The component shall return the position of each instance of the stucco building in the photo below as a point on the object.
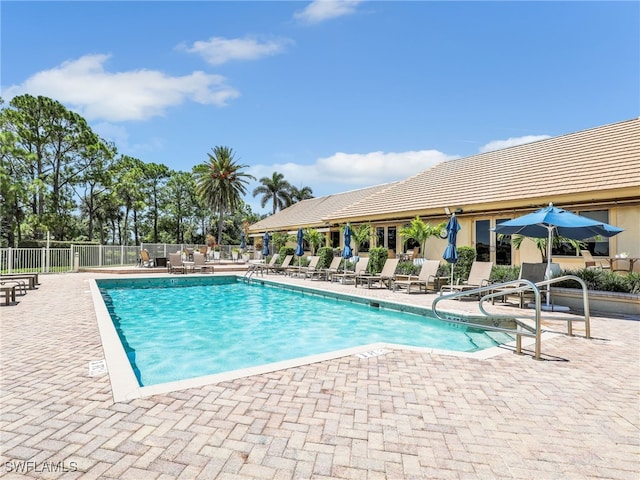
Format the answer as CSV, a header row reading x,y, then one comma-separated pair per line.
x,y
594,172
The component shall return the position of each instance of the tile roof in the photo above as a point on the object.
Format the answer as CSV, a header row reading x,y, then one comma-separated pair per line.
x,y
577,167
574,165
311,213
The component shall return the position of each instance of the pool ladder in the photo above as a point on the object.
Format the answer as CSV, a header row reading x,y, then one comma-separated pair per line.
x,y
523,328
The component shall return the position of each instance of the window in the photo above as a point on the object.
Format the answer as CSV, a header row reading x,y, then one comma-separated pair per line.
x,y
379,236
597,246
503,246
335,239
391,238
483,246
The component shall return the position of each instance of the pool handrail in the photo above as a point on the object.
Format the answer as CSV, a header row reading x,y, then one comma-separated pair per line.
x,y
490,291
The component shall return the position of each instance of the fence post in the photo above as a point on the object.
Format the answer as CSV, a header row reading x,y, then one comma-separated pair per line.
x,y
71,257
10,260
43,260
121,254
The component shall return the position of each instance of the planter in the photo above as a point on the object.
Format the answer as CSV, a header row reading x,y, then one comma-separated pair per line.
x,y
599,302
246,257
234,256
216,255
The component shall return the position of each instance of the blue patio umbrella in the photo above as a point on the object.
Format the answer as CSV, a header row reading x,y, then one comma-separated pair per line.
x,y
243,242
347,252
299,248
550,221
265,244
451,252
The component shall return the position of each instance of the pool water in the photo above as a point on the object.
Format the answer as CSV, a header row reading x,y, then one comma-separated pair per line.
x,y
178,331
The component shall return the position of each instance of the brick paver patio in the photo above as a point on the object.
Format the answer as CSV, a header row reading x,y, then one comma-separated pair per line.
x,y
401,415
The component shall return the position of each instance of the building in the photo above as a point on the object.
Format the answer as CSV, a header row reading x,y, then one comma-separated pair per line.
x,y
594,172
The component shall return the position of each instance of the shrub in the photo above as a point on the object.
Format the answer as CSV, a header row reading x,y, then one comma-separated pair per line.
x,y
407,268
504,273
603,280
284,251
326,255
377,257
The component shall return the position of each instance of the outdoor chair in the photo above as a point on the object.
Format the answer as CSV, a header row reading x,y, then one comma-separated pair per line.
x,y
32,278
303,271
590,262
282,268
175,263
478,277
145,259
343,275
200,263
326,273
263,267
426,276
384,278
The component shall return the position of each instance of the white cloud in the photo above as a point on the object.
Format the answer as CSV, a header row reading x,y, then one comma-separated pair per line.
x,y
95,93
343,171
511,142
217,50
321,10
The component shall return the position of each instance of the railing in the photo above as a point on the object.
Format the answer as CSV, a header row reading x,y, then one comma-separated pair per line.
x,y
58,260
522,328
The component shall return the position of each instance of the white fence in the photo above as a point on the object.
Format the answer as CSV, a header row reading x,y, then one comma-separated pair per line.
x,y
57,260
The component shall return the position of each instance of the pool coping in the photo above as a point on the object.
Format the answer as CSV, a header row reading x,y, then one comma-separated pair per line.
x,y
125,386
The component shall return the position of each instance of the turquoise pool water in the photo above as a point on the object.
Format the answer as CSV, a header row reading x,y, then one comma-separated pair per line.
x,y
175,329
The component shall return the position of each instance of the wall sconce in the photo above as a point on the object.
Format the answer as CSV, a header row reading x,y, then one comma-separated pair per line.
x,y
447,211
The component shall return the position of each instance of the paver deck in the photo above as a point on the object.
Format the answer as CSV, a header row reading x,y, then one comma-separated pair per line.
x,y
402,415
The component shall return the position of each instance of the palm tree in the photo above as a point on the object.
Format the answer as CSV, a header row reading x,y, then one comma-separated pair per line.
x,y
541,243
314,238
298,194
360,235
420,231
275,189
221,182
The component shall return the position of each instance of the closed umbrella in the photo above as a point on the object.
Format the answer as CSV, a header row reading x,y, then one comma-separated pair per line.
x,y
299,248
550,221
347,252
451,252
243,242
265,244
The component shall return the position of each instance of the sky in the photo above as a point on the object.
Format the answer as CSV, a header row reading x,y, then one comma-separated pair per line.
x,y
335,95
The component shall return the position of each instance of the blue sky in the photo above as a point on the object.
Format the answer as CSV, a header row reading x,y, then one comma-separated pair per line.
x,y
334,95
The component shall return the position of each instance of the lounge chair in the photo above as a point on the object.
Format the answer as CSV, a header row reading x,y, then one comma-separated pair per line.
x,y
426,277
478,277
326,273
282,268
590,262
264,267
145,259
385,277
200,263
31,278
534,272
302,271
175,263
360,269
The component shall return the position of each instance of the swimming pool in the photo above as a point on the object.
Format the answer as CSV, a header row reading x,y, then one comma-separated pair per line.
x,y
178,328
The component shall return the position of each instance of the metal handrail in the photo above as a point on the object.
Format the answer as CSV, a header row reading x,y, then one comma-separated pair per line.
x,y
516,286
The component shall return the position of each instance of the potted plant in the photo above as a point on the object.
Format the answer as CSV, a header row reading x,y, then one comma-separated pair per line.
x,y
216,252
235,253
